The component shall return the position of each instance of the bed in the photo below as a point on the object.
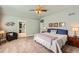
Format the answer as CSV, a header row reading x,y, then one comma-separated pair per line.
x,y
54,39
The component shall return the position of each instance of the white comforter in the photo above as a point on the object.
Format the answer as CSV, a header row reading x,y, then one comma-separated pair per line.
x,y
53,42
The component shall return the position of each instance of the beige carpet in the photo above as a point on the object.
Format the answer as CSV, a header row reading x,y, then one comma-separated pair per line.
x,y
23,45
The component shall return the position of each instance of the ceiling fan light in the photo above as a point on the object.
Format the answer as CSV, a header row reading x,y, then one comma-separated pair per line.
x,y
38,12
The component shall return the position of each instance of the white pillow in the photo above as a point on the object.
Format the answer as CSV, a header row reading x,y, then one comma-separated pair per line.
x,y
11,34
53,31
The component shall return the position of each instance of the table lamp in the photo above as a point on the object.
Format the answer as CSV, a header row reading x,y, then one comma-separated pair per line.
x,y
75,29
1,32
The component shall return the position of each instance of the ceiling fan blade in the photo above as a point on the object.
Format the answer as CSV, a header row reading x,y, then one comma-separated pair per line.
x,y
32,10
44,10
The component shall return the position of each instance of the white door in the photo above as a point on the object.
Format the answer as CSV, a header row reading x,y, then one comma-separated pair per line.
x,y
22,29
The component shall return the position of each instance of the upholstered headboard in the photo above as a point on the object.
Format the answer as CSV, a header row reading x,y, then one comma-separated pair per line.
x,y
59,31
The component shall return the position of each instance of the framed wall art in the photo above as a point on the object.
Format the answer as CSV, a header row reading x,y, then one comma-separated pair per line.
x,y
50,24
58,24
10,23
55,24
61,24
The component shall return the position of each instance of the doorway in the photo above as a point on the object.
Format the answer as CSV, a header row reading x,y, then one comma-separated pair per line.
x,y
22,29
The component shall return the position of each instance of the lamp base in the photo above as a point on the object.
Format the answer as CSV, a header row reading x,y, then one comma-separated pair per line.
x,y
75,36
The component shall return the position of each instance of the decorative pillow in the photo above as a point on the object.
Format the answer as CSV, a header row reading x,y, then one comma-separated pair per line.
x,y
11,34
61,31
51,30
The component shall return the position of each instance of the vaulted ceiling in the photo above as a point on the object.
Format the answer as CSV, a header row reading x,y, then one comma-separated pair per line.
x,y
24,10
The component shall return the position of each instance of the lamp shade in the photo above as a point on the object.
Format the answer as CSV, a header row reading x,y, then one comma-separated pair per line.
x,y
1,32
38,12
75,29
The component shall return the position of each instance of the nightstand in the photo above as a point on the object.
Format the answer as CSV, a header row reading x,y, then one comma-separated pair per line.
x,y
73,41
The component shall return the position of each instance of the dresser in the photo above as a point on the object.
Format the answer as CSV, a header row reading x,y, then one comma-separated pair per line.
x,y
73,41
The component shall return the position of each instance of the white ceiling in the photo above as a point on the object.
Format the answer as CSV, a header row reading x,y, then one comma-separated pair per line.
x,y
24,10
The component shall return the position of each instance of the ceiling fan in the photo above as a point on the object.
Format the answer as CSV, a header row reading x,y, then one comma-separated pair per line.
x,y
39,9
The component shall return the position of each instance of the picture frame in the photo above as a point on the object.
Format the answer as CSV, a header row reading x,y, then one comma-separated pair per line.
x,y
61,24
10,23
50,24
55,24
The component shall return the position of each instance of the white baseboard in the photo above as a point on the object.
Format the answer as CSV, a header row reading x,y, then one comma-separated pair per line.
x,y
31,35
26,35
